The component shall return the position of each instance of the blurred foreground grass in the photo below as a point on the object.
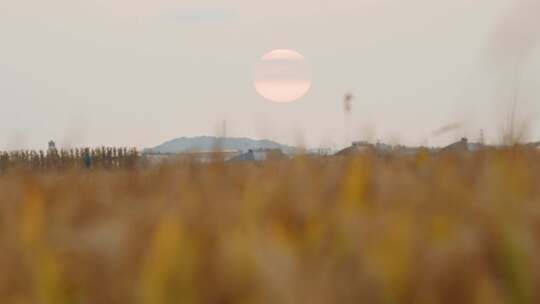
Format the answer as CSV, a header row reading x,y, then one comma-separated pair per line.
x,y
422,229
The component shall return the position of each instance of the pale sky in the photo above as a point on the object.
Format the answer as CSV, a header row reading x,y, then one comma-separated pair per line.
x,y
137,73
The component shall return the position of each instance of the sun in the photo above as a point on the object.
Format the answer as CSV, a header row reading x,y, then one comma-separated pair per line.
x,y
282,76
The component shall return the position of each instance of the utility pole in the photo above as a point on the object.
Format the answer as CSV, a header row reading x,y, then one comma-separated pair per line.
x,y
347,107
224,128
481,140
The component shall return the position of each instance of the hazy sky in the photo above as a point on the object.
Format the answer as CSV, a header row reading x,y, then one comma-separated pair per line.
x,y
137,73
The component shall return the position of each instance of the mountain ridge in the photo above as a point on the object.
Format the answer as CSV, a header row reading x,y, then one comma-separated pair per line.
x,y
213,143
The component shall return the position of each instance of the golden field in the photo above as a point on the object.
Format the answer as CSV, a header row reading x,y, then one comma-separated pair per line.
x,y
362,229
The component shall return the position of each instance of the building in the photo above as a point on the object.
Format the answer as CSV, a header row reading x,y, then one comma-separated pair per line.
x,y
197,157
260,155
320,151
382,149
356,148
460,146
533,145
464,146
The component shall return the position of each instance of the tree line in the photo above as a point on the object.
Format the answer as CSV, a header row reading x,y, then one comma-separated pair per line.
x,y
103,157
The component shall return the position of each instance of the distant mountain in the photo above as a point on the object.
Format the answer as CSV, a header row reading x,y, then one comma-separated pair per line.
x,y
211,143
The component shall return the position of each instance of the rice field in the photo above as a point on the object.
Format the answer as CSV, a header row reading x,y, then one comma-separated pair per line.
x,y
357,229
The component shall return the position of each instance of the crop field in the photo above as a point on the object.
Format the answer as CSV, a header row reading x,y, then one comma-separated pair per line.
x,y
358,229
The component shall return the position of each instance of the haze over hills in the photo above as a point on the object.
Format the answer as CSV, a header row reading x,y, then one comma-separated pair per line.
x,y
212,143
